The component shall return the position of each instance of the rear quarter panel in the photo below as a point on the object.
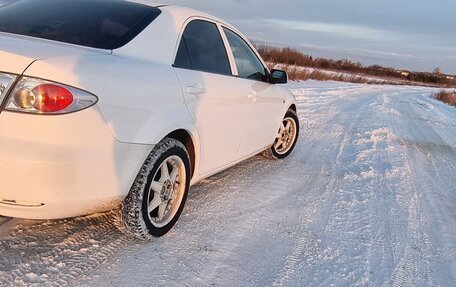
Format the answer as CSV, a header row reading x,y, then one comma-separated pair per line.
x,y
140,100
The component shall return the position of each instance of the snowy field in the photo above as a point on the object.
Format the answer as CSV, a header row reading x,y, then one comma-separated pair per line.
x,y
368,198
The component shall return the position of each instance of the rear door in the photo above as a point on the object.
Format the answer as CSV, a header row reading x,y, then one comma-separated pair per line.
x,y
215,98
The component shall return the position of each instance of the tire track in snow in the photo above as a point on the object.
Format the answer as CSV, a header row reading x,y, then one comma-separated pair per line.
x,y
425,152
361,162
411,265
444,220
54,253
302,238
341,139
307,248
220,261
354,223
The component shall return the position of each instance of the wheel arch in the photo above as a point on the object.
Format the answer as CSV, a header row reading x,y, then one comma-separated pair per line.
x,y
293,108
186,138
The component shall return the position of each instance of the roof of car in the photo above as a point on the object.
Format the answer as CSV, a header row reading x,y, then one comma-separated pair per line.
x,y
180,11
146,2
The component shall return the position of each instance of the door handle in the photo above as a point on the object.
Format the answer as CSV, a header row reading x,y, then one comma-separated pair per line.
x,y
196,90
252,96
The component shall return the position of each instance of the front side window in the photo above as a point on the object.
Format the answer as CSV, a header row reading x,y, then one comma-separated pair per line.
x,y
247,63
103,24
201,48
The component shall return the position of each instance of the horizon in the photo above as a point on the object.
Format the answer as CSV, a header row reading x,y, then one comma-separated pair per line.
x,y
405,35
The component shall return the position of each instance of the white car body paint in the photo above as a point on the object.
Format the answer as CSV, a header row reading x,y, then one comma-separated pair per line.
x,y
63,166
85,162
226,105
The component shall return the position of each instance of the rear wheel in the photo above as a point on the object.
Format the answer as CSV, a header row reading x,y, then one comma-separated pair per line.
x,y
286,137
159,192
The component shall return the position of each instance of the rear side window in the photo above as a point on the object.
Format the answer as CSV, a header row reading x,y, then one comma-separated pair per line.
x,y
201,48
103,24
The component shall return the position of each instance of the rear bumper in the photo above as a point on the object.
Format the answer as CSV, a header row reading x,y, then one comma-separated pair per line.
x,y
63,166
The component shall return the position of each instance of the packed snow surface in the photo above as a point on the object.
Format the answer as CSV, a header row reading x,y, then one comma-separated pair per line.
x,y
368,198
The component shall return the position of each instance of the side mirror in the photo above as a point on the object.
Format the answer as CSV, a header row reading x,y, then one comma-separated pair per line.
x,y
278,77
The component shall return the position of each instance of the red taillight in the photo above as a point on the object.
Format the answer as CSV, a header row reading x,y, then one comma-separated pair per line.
x,y
51,98
37,96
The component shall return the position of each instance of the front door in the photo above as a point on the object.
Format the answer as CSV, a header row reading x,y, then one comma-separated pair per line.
x,y
264,100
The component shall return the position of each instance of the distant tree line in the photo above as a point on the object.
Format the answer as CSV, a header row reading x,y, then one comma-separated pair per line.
x,y
293,57
446,96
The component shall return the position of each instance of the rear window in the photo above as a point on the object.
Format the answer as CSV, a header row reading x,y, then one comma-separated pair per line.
x,y
103,24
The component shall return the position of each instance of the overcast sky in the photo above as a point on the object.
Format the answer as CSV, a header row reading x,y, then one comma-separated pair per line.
x,y
409,34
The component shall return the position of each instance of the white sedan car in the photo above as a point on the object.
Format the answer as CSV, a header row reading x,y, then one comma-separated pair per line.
x,y
109,102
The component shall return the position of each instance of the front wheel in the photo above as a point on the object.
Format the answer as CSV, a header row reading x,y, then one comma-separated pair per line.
x,y
286,137
159,192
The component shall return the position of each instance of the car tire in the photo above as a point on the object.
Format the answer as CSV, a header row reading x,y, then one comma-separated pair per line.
x,y
159,191
286,138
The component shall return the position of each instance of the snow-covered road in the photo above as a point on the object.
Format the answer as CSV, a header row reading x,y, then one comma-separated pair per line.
x,y
368,198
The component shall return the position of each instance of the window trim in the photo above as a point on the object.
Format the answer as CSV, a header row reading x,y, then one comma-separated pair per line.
x,y
229,51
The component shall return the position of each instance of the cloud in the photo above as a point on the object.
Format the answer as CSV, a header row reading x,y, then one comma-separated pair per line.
x,y
341,30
